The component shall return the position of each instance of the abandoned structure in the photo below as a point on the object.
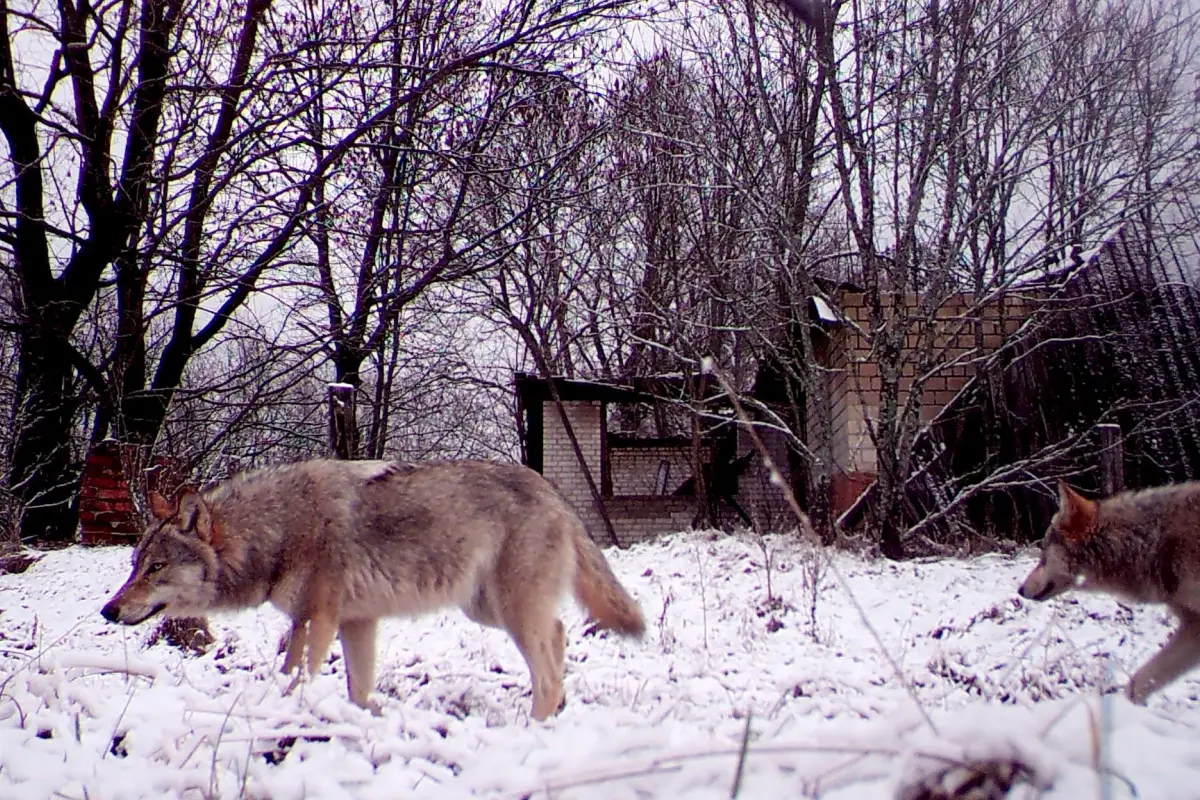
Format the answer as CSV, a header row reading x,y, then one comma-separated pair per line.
x,y
644,483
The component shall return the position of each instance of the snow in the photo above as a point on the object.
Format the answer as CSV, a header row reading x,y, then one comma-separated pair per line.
x,y
824,312
87,710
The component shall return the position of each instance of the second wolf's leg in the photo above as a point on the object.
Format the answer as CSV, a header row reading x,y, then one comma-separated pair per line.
x,y
1177,656
358,649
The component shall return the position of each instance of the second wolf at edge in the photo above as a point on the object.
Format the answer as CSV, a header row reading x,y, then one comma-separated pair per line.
x,y
1143,546
337,545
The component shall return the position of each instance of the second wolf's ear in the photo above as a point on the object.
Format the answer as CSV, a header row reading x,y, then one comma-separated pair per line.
x,y
1076,514
194,516
160,506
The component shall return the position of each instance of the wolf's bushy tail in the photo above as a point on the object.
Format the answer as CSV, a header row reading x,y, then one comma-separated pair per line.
x,y
598,590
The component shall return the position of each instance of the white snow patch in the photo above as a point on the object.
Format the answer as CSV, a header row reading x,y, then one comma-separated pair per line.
x,y
824,312
87,710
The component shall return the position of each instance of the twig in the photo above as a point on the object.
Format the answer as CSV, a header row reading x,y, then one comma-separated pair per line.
x,y
116,725
673,763
745,752
1105,736
703,597
213,781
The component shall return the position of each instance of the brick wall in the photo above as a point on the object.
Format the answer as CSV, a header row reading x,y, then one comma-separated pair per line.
x,y
761,500
634,518
637,471
561,467
107,511
638,519
559,463
854,380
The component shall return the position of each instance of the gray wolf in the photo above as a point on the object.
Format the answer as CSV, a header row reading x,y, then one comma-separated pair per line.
x,y
336,545
1142,546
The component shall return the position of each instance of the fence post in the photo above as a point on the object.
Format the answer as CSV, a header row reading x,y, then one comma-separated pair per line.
x,y
343,427
1112,459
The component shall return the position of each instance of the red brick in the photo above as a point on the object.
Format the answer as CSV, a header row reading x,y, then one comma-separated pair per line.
x,y
104,494
844,489
103,538
112,506
101,517
122,529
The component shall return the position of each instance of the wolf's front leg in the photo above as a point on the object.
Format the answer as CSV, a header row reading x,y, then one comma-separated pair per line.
x,y
313,633
1177,656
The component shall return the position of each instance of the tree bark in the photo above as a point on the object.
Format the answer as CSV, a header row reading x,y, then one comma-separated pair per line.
x,y
43,474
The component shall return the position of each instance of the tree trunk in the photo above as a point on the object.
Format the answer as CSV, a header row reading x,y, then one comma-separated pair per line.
x,y
43,476
343,422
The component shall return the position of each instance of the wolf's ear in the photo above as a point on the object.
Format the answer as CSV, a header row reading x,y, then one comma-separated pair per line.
x,y
160,506
1076,514
194,514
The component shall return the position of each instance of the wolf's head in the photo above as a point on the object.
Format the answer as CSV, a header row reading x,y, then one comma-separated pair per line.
x,y
174,564
1060,566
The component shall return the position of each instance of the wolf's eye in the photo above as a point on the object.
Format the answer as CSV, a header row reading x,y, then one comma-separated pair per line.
x,y
155,567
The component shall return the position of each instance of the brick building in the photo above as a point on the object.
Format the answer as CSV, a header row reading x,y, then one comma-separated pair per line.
x,y
643,481
646,482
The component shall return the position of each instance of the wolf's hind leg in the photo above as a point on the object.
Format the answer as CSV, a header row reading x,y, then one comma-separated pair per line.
x,y
1177,656
321,630
358,649
324,602
539,637
560,655
297,638
560,644
295,646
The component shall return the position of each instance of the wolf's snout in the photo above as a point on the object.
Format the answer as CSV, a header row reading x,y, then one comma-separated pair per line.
x,y
1026,592
1039,586
110,611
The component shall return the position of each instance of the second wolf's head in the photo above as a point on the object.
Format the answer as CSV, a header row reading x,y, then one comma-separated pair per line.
x,y
174,564
1062,566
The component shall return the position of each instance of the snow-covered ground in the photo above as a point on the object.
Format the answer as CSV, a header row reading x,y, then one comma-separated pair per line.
x,y
86,710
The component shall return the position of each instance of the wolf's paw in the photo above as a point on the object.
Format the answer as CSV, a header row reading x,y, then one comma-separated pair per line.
x,y
1133,695
291,687
370,705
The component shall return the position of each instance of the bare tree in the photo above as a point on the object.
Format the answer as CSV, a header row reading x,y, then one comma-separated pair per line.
x,y
212,146
429,174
